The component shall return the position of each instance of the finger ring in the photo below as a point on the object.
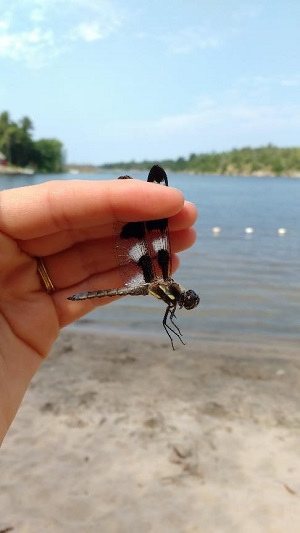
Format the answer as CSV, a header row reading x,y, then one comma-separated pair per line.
x,y
45,276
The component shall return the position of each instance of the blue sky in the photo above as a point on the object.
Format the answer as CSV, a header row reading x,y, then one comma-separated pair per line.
x,y
135,79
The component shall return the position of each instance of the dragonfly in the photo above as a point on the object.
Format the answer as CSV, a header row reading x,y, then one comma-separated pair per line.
x,y
143,251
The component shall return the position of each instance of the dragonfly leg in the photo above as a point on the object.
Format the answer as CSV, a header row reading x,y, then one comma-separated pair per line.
x,y
168,328
172,315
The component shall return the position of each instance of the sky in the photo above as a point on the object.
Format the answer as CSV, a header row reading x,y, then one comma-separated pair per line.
x,y
121,80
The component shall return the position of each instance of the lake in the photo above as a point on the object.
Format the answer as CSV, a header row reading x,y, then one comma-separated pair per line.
x,y
249,283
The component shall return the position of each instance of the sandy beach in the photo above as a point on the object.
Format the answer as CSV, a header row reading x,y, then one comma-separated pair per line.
x,y
120,435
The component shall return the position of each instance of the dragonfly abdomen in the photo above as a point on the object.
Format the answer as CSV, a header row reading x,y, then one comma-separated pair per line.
x,y
141,290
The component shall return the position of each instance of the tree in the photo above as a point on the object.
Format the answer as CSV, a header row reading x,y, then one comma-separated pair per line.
x,y
4,121
26,125
17,144
49,155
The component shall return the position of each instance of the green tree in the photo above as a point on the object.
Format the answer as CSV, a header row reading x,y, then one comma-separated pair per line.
x,y
21,150
26,125
19,146
4,122
49,155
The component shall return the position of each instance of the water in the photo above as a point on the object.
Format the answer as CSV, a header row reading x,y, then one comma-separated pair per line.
x,y
249,284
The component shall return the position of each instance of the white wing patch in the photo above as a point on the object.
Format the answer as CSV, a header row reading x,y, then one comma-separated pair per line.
x,y
137,251
160,244
136,280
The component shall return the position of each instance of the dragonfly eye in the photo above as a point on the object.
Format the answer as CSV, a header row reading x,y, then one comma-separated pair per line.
x,y
191,299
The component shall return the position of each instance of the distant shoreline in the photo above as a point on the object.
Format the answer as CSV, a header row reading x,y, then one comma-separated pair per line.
x,y
93,169
13,171
263,161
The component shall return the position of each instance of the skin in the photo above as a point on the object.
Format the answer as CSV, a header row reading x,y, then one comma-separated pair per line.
x,y
70,225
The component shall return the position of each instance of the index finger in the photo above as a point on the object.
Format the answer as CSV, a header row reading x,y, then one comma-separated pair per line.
x,y
38,210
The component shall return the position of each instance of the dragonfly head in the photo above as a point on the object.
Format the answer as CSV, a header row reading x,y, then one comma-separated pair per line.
x,y
189,299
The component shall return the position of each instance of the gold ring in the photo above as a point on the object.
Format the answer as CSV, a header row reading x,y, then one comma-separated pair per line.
x,y
45,276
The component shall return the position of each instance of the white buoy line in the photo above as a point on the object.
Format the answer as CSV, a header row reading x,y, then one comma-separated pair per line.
x,y
216,230
281,231
249,230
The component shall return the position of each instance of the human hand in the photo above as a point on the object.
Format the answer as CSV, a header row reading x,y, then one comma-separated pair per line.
x,y
69,224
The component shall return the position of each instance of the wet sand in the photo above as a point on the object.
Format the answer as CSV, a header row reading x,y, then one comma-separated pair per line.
x,y
126,436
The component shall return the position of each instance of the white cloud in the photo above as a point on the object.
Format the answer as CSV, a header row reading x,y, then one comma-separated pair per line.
x,y
30,46
245,13
94,30
293,81
268,82
224,125
37,15
190,39
34,31
88,31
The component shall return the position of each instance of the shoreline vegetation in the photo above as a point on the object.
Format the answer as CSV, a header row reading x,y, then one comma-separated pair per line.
x,y
265,161
21,154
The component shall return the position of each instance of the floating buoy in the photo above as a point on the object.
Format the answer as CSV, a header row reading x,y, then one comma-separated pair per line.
x,y
281,231
249,230
216,230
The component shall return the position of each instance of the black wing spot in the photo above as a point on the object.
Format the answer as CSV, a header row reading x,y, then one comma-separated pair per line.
x,y
160,224
133,230
145,264
163,259
158,175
